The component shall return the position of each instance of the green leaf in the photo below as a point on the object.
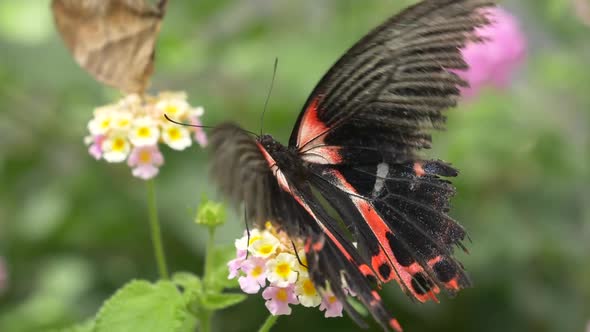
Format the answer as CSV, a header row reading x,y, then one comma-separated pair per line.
x,y
216,280
188,281
87,326
143,306
221,301
192,289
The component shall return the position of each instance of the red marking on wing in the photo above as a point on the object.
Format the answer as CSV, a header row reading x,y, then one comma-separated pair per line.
x,y
418,169
376,295
452,284
325,155
281,179
380,229
310,126
366,270
395,325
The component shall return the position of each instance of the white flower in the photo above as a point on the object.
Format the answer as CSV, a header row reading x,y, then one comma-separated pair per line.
x,y
173,105
241,244
307,293
101,123
144,132
130,102
176,137
121,121
281,271
265,246
115,148
197,111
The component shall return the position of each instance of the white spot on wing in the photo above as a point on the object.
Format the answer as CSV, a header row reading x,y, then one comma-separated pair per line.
x,y
382,172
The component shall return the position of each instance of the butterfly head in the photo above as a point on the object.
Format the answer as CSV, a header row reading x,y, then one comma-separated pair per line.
x,y
284,157
272,146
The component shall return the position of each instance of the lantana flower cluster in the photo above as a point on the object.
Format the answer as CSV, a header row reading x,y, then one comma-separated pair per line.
x,y
266,260
132,129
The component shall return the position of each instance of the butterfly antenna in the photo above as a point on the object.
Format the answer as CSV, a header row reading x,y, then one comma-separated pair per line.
x,y
297,255
201,126
274,73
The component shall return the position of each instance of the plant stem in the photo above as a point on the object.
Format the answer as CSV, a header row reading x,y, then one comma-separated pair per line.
x,y
205,321
268,323
209,252
155,229
205,316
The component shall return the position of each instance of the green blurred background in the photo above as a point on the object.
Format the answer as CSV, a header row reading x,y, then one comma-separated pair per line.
x,y
73,230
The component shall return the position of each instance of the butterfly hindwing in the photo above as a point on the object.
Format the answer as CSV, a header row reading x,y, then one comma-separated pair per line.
x,y
399,218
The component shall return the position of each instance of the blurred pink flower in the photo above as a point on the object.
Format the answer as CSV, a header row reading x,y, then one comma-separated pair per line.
x,y
279,298
95,148
255,277
3,275
235,265
199,133
493,60
332,306
145,161
582,10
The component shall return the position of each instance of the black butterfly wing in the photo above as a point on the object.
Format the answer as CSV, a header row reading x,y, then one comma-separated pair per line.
x,y
361,130
382,97
244,175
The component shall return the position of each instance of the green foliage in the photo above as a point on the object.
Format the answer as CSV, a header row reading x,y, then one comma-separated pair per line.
x,y
143,306
221,301
216,278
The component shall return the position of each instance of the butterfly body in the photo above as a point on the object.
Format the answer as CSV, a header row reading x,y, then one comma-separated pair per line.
x,y
351,182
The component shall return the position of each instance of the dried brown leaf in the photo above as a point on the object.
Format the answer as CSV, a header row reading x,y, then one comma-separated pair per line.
x,y
114,40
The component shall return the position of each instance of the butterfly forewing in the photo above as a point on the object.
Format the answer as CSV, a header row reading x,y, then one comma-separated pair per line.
x,y
391,87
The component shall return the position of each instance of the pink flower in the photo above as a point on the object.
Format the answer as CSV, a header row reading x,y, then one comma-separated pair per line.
x,y
199,135
145,161
494,60
582,9
279,298
235,265
95,148
3,275
332,306
255,277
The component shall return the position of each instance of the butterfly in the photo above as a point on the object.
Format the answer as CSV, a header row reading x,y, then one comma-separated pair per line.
x,y
351,182
113,40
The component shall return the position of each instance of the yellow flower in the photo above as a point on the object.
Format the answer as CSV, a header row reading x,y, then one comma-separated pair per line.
x,y
307,293
102,121
176,137
144,132
173,105
265,246
116,148
281,271
121,121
